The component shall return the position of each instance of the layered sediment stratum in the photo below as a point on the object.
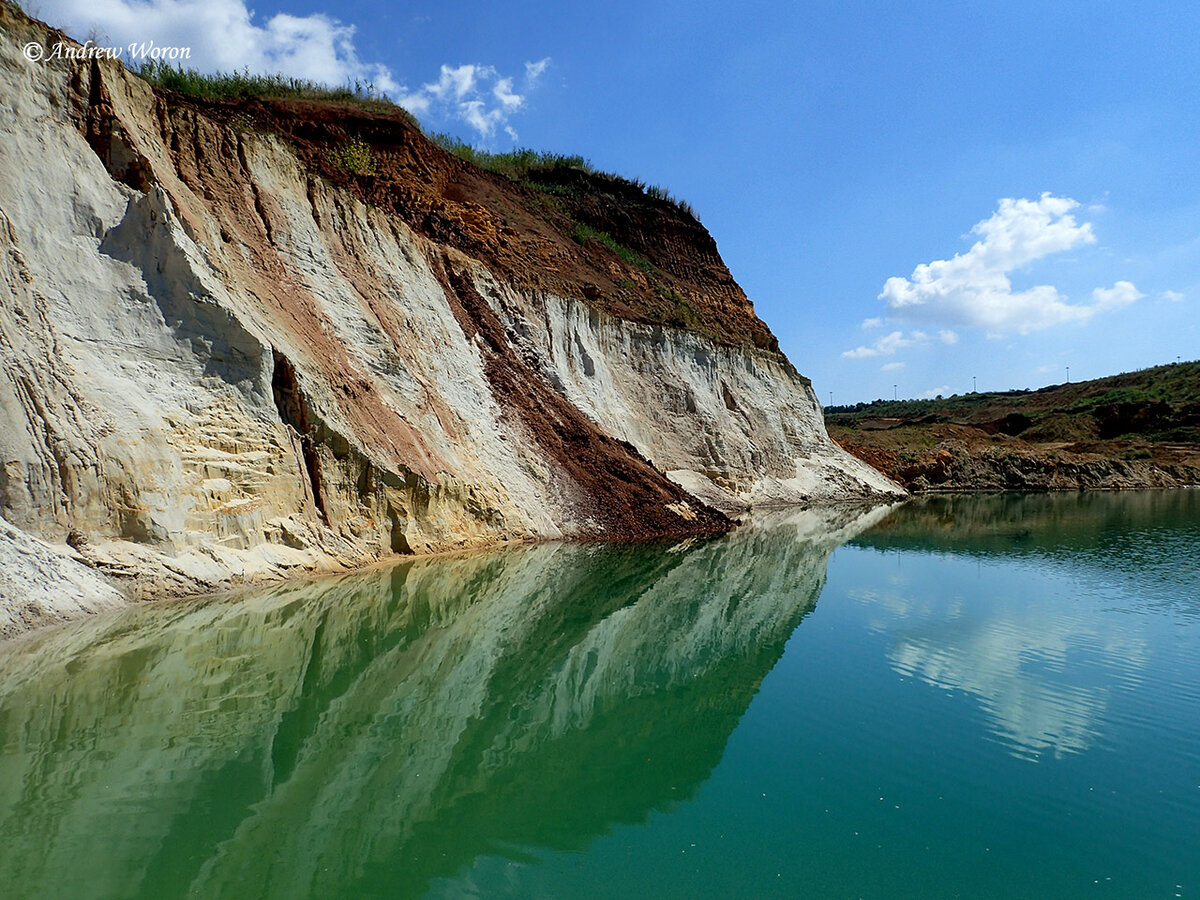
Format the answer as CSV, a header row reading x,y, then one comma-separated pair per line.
x,y
225,356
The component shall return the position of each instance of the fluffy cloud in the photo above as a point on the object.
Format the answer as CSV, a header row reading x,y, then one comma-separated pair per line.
x,y
1173,296
896,340
224,36
973,289
891,367
475,94
937,392
1120,294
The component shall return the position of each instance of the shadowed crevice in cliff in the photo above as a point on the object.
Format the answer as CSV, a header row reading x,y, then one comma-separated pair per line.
x,y
293,411
107,136
620,490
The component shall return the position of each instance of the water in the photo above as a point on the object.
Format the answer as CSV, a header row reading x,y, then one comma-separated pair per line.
x,y
965,697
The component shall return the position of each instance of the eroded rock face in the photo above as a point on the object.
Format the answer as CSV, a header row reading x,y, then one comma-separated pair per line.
x,y
45,584
220,363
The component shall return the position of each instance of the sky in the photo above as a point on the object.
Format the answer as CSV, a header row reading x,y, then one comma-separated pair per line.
x,y
918,197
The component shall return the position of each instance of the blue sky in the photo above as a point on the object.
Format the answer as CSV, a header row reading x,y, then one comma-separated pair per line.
x,y
1052,147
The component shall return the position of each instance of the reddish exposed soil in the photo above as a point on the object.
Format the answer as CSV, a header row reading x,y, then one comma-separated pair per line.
x,y
948,457
522,234
623,492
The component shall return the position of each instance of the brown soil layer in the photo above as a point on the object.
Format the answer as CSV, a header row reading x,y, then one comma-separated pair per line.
x,y
527,236
623,493
954,457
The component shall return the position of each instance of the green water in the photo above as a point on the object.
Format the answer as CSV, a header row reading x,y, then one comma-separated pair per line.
x,y
965,697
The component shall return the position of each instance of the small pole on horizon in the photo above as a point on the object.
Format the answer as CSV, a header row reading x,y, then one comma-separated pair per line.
x,y
894,395
974,390
831,398
1068,374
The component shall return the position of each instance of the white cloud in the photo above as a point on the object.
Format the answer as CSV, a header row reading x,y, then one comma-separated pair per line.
x,y
1120,294
897,340
225,36
1173,296
534,70
973,289
934,392
503,91
872,323
885,346
891,367
475,94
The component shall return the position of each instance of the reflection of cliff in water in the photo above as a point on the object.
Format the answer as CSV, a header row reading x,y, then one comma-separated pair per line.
x,y
362,736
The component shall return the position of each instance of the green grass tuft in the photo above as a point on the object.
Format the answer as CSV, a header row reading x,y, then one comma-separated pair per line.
x,y
680,312
538,169
661,193
522,164
247,86
583,233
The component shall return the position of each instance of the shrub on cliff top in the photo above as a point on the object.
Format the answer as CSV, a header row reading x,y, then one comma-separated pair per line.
x,y
353,156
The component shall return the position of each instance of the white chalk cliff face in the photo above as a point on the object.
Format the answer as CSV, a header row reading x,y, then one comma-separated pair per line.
x,y
217,365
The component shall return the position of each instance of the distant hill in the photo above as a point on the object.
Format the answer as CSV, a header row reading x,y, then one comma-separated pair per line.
x,y
1148,421
1157,404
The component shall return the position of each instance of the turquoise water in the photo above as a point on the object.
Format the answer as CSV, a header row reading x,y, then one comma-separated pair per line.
x,y
962,697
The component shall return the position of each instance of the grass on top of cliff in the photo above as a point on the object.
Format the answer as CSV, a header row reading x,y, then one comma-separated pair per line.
x,y
544,171
249,86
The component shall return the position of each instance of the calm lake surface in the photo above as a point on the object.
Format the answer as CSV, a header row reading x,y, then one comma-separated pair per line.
x,y
962,697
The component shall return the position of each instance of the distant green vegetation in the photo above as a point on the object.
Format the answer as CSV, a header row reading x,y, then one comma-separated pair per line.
x,y
1176,383
1161,403
902,409
247,86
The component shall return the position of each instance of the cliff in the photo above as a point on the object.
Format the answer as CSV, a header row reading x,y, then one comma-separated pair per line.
x,y
229,353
